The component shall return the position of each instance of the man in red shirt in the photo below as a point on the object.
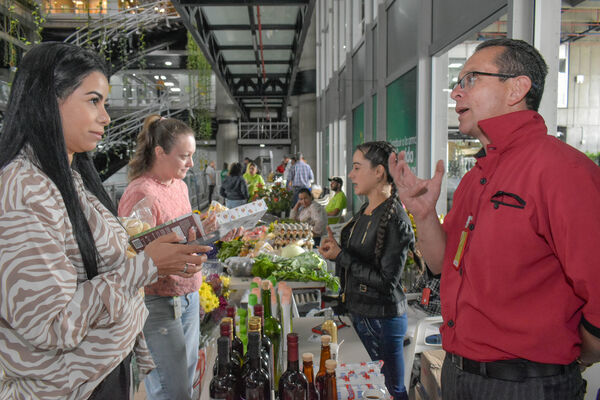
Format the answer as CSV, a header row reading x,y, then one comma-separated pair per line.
x,y
519,251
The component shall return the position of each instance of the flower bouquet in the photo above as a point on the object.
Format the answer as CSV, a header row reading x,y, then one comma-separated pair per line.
x,y
277,198
214,294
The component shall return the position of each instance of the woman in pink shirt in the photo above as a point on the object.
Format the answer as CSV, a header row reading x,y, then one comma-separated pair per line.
x,y
165,147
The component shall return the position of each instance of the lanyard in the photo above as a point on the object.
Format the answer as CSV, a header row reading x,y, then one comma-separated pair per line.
x,y
461,244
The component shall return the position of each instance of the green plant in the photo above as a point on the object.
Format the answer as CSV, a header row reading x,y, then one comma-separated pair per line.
x,y
277,198
200,119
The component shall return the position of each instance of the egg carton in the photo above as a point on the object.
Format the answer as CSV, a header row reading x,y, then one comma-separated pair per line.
x,y
306,300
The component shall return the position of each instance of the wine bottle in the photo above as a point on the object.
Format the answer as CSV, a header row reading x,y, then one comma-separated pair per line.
x,y
234,352
307,368
236,342
293,384
256,382
266,343
235,362
330,383
223,385
254,326
325,355
272,329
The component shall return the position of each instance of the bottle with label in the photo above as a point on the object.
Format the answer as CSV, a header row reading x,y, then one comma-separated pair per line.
x,y
236,342
307,361
265,342
223,385
330,391
293,384
272,329
330,328
256,382
325,355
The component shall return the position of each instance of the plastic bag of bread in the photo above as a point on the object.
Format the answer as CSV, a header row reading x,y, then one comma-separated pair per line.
x,y
140,220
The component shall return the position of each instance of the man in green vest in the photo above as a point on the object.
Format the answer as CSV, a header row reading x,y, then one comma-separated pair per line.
x,y
337,203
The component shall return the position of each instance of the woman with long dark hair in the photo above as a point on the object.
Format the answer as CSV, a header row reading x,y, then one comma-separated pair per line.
x,y
370,260
71,313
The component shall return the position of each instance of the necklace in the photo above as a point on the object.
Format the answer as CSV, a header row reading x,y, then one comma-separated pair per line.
x,y
366,230
155,179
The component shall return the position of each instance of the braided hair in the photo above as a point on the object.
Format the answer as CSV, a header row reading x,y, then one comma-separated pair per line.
x,y
378,153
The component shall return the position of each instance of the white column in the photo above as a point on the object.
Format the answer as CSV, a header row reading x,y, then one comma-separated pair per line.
x,y
520,19
547,41
424,91
439,123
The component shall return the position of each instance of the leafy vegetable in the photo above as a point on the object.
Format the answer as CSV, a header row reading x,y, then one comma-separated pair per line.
x,y
230,249
304,267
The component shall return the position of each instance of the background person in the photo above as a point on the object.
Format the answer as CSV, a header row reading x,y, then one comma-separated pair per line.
x,y
253,179
307,210
234,189
163,156
71,311
337,202
211,175
370,259
301,176
531,241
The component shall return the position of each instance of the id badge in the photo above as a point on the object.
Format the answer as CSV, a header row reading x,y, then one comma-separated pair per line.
x,y
177,306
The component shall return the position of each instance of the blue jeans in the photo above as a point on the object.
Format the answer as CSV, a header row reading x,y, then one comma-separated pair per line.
x,y
174,345
383,339
234,203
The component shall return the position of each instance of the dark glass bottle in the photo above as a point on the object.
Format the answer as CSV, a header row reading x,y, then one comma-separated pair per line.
x,y
272,329
265,341
256,382
293,384
234,352
330,392
236,342
325,355
307,361
254,326
223,385
235,365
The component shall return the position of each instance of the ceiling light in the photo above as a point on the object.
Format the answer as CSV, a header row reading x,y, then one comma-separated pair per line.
x,y
169,84
162,10
175,89
262,145
455,65
133,74
168,63
155,76
163,77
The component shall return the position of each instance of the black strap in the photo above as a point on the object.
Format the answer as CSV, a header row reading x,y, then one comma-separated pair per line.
x,y
594,330
117,384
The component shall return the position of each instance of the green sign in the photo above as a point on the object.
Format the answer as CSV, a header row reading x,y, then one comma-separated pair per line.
x,y
402,115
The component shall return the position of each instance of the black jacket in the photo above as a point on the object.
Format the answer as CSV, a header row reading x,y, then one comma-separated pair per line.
x,y
373,289
234,188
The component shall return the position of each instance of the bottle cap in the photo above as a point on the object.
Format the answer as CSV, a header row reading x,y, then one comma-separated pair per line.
x,y
225,328
265,285
307,357
325,340
231,311
330,365
252,299
258,310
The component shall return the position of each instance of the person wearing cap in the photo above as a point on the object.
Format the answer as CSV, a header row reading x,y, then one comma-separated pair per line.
x,y
337,203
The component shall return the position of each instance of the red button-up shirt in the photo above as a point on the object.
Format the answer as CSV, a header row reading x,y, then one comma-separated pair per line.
x,y
529,268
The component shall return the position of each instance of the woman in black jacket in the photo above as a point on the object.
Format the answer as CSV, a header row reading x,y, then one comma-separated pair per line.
x,y
234,188
370,260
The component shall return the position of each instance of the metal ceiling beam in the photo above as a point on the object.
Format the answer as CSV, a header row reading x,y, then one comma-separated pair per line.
x,y
243,27
304,20
254,62
207,43
225,3
250,47
574,3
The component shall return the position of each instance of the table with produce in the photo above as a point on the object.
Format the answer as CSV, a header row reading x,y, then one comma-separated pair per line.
x,y
262,351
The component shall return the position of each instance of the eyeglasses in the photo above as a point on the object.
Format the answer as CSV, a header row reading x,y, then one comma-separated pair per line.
x,y
468,80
